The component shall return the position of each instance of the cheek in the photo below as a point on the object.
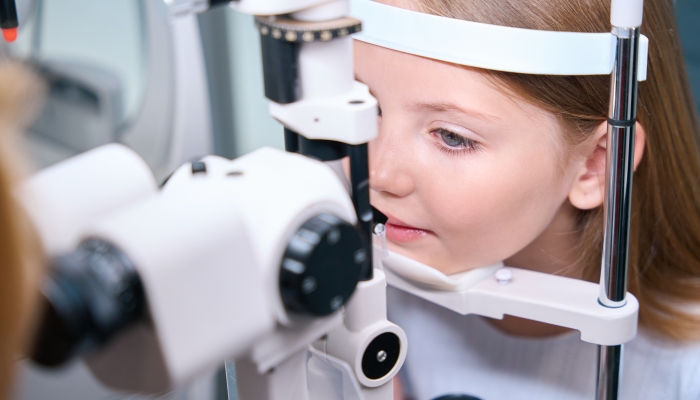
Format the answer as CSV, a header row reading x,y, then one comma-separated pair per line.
x,y
496,204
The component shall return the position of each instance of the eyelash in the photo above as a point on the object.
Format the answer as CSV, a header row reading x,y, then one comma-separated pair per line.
x,y
465,144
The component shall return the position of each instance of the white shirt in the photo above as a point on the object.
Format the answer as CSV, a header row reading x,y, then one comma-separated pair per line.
x,y
449,353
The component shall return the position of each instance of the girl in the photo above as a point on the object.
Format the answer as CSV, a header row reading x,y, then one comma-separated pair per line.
x,y
475,166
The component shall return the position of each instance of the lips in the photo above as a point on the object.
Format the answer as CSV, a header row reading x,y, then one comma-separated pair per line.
x,y
398,231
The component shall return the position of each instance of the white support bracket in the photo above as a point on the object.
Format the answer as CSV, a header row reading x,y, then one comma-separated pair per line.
x,y
552,299
284,342
350,117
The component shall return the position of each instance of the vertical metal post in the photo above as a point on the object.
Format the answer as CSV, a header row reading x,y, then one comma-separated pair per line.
x,y
622,118
359,180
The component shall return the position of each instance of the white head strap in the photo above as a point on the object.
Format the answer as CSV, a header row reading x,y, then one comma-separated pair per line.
x,y
493,47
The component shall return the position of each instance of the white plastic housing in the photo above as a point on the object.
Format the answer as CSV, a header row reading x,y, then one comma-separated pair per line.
x,y
324,12
276,193
333,106
204,288
626,13
208,250
556,300
286,382
365,319
326,68
273,7
348,118
62,200
494,47
276,368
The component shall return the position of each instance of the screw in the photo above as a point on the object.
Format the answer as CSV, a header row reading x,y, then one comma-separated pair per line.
x,y
381,356
379,229
333,236
308,285
360,256
336,302
504,276
307,37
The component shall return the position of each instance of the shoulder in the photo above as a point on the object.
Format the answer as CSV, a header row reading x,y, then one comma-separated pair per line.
x,y
661,366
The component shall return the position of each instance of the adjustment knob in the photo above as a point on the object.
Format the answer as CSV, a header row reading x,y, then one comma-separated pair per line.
x,y
321,266
381,355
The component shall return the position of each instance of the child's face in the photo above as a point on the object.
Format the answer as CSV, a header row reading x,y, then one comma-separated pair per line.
x,y
468,175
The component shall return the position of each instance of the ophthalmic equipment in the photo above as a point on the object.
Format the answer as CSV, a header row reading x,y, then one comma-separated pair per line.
x,y
256,259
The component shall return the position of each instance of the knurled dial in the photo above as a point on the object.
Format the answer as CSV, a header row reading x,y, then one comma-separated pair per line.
x,y
321,266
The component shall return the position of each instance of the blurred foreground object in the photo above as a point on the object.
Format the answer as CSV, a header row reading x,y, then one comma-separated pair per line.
x,y
19,254
8,20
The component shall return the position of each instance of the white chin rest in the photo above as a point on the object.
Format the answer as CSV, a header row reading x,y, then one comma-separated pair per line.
x,y
493,47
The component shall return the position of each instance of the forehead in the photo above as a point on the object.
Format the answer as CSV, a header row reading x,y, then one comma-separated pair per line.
x,y
402,81
407,4
392,74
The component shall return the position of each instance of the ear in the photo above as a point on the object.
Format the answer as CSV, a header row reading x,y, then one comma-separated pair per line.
x,y
588,189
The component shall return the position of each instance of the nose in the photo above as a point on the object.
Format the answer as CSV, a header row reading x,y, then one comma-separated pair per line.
x,y
389,162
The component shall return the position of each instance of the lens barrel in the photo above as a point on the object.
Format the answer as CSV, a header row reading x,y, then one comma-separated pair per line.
x,y
90,295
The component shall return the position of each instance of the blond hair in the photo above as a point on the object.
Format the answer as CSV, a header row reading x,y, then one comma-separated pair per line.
x,y
664,269
19,254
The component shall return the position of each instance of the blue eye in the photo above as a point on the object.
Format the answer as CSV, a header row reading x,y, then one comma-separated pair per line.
x,y
455,141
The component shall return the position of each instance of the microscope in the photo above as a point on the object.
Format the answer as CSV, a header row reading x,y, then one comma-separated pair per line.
x,y
266,259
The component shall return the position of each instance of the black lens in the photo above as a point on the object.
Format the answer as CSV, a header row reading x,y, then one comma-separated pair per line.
x,y
90,295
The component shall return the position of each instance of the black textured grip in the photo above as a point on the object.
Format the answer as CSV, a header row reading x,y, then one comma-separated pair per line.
x,y
321,266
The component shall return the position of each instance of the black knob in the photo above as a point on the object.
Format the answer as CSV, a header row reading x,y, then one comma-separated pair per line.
x,y
321,266
456,397
90,295
381,355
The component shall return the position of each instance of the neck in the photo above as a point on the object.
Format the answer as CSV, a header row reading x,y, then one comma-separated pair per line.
x,y
553,252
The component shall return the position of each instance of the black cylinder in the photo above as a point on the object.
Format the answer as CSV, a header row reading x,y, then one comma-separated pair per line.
x,y
323,150
8,14
90,295
280,61
291,141
359,181
321,266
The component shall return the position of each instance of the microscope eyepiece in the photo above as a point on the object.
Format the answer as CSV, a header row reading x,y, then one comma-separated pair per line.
x,y
90,295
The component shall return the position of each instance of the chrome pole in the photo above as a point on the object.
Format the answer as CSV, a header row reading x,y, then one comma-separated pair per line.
x,y
622,117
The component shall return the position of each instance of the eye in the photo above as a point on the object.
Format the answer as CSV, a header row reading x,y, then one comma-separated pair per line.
x,y
454,141
379,111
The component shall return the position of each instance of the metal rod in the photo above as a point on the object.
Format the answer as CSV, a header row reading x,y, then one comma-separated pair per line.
x,y
610,365
291,140
622,118
359,180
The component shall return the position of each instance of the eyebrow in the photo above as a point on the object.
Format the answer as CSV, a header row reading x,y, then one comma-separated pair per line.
x,y
449,107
